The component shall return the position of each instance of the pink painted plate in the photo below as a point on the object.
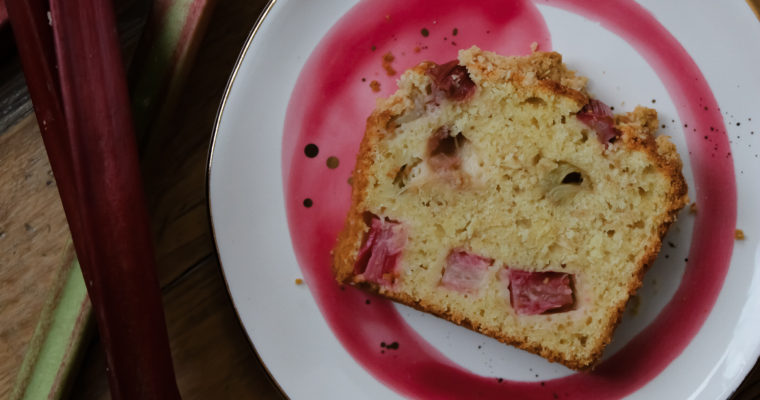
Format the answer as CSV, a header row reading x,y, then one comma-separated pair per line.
x,y
284,147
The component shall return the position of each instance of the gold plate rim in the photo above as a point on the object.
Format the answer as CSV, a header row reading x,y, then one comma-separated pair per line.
x,y
209,161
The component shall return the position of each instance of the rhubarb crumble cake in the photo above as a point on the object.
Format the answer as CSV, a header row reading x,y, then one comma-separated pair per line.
x,y
496,193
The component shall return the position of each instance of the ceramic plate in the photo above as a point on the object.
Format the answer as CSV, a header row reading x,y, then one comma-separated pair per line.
x,y
286,139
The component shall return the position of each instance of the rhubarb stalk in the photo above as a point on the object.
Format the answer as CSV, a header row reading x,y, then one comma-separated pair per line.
x,y
82,107
3,14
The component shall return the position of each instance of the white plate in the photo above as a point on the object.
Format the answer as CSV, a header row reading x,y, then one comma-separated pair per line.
x,y
252,160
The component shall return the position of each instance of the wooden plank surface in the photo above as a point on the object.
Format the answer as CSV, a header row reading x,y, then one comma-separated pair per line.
x,y
33,236
211,353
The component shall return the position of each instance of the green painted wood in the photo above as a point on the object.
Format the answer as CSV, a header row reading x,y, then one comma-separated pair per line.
x,y
58,340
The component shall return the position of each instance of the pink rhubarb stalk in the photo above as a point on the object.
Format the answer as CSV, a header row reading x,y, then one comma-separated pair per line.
x,y
77,83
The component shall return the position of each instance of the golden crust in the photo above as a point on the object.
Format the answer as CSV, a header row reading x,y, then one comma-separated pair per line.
x,y
464,321
354,229
639,128
542,71
537,72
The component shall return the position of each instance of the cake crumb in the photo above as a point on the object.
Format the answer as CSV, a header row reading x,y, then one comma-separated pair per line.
x,y
387,60
693,208
417,49
299,281
739,234
375,85
534,47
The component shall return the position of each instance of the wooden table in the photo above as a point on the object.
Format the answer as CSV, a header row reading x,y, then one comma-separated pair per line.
x,y
211,353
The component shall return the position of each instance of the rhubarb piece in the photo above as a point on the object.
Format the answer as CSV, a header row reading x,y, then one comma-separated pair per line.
x,y
598,116
453,80
379,255
464,272
443,149
532,293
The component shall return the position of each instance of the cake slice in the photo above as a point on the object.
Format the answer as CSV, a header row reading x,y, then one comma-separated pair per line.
x,y
496,193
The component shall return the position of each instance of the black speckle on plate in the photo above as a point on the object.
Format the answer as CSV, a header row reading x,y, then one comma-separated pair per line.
x,y
311,150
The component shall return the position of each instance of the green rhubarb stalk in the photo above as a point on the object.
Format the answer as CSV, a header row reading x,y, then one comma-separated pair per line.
x,y
57,343
164,57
